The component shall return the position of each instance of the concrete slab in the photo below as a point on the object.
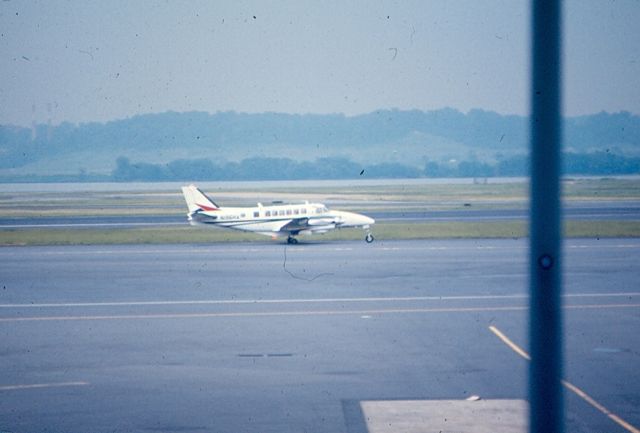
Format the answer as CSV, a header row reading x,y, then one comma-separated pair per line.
x,y
446,416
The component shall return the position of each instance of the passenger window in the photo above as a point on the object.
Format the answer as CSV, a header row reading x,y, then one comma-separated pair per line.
x,y
268,213
296,212
288,211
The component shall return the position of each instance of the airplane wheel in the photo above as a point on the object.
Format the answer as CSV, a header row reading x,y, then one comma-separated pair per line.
x,y
292,241
369,238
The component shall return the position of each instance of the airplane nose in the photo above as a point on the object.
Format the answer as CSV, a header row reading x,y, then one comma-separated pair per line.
x,y
351,219
363,220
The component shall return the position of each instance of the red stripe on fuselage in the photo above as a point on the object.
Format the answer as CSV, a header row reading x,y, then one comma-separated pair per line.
x,y
206,208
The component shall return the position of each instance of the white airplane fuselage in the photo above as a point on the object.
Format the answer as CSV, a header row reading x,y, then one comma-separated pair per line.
x,y
275,220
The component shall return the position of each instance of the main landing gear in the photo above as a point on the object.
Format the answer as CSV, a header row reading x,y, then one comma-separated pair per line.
x,y
291,240
369,238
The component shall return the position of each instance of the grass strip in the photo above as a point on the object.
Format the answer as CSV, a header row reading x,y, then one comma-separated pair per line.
x,y
364,197
382,231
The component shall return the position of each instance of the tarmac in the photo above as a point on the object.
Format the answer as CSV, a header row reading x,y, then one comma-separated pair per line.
x,y
582,211
415,336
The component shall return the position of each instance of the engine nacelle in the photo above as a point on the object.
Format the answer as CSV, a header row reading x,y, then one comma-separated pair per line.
x,y
324,228
321,222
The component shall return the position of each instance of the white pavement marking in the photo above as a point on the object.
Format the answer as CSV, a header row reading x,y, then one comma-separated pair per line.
x,y
460,416
86,225
41,385
304,301
406,247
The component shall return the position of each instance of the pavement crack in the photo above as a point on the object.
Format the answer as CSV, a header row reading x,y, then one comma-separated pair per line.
x,y
297,277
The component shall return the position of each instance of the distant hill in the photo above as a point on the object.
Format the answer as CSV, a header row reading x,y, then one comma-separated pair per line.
x,y
410,138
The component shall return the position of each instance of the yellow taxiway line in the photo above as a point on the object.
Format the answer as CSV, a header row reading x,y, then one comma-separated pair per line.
x,y
579,392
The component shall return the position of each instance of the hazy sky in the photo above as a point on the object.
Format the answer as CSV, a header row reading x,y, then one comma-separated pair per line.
x,y
82,61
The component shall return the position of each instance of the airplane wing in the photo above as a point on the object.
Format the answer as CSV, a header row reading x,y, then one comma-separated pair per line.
x,y
298,224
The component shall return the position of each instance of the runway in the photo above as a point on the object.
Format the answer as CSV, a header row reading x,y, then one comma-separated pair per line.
x,y
590,211
264,337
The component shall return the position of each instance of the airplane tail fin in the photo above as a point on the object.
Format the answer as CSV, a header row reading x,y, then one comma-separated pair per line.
x,y
197,200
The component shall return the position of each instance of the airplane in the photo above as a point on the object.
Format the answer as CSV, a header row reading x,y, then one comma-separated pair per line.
x,y
276,219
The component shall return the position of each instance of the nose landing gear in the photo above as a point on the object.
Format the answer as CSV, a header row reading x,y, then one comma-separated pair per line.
x,y
369,238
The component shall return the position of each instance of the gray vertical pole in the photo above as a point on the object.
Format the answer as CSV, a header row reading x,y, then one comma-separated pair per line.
x,y
545,330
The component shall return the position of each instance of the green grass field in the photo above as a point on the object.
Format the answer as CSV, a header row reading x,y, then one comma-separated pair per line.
x,y
394,198
382,231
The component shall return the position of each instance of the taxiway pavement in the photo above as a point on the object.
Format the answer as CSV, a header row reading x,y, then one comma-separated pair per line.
x,y
264,337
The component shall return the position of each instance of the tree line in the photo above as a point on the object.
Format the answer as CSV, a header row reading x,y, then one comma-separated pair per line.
x,y
259,168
